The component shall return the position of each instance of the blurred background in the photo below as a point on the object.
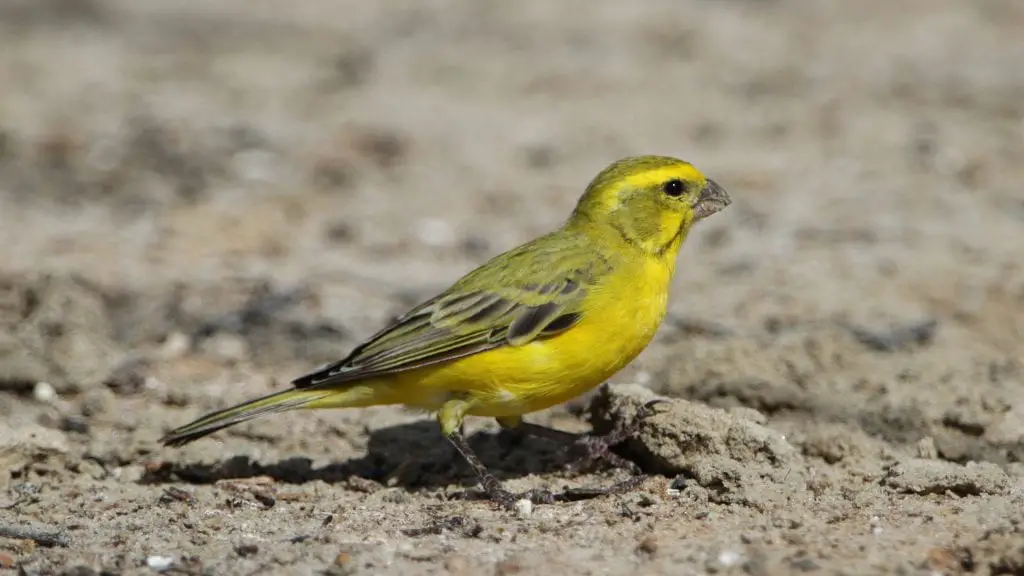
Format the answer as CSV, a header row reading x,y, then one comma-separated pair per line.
x,y
202,199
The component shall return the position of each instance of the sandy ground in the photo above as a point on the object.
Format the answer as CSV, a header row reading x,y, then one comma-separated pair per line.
x,y
199,202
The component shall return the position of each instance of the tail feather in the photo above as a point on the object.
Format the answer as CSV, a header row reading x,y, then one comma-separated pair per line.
x,y
271,404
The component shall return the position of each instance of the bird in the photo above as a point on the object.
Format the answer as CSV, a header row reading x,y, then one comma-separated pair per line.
x,y
529,329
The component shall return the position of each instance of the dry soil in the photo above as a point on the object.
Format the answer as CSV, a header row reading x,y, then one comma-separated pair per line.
x,y
202,199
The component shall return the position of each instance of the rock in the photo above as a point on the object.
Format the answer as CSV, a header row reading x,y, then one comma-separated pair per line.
x,y
524,508
735,459
44,392
159,563
925,476
682,431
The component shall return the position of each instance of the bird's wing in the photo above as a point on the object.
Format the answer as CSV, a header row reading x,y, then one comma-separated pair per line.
x,y
519,297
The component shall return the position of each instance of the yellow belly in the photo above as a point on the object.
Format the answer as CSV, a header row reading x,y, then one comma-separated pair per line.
x,y
620,318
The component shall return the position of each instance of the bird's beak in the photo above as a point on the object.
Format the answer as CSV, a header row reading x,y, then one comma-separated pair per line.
x,y
711,199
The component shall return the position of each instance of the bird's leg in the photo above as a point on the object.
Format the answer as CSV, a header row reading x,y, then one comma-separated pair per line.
x,y
450,417
594,447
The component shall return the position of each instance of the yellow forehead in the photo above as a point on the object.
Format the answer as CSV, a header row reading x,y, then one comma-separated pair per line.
x,y
653,177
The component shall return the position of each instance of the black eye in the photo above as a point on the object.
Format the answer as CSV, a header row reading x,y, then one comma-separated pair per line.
x,y
674,188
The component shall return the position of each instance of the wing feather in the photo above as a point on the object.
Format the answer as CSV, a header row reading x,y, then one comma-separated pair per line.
x,y
511,301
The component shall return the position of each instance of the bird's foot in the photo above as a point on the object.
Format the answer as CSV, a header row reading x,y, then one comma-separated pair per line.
x,y
628,485
596,448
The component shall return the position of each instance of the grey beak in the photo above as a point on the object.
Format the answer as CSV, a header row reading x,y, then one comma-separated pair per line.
x,y
713,198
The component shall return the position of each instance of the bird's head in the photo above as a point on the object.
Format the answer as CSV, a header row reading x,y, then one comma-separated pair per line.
x,y
651,201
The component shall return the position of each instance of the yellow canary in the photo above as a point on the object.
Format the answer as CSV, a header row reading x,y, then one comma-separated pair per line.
x,y
531,328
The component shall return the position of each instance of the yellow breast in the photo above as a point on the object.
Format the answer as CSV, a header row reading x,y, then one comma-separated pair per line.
x,y
621,315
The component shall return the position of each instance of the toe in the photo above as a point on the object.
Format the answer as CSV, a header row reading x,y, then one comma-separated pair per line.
x,y
650,408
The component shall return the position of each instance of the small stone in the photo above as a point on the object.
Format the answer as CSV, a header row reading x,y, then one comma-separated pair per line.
x,y
524,508
6,561
44,392
159,563
920,476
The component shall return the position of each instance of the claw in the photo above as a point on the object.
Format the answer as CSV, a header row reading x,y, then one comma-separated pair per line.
x,y
594,448
599,447
647,410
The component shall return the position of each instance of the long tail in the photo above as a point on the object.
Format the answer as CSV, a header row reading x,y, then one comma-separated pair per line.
x,y
271,404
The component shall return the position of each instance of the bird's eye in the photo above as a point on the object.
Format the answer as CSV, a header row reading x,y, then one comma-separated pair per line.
x,y
674,188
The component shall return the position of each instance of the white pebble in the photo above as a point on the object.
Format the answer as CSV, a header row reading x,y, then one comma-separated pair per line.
x,y
524,508
44,392
159,563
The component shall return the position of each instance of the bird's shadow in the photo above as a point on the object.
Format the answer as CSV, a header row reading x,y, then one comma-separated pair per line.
x,y
413,455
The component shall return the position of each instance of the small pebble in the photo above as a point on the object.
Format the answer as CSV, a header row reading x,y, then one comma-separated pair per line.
x,y
44,392
524,508
159,563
